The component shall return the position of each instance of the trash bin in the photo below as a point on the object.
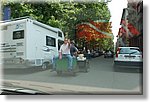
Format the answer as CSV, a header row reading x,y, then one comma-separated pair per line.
x,y
62,66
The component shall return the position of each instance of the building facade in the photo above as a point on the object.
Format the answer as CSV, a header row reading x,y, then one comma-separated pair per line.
x,y
135,17
122,37
131,31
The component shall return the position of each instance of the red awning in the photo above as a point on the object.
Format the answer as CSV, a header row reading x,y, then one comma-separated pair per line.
x,y
123,30
123,22
132,29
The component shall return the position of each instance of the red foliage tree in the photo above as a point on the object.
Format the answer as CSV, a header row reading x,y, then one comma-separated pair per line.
x,y
89,33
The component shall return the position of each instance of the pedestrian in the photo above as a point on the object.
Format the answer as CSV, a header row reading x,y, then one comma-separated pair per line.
x,y
89,54
73,49
64,51
84,51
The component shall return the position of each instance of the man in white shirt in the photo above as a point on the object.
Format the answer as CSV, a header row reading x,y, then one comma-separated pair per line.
x,y
64,48
64,52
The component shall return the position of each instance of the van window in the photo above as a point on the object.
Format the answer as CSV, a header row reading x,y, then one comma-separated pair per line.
x,y
50,41
18,34
59,34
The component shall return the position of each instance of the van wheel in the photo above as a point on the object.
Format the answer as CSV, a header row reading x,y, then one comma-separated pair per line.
x,y
44,65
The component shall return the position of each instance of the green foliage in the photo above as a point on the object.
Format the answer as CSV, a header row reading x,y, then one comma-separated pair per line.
x,y
64,15
107,44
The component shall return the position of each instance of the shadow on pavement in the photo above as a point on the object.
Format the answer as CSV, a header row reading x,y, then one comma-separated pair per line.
x,y
129,70
23,71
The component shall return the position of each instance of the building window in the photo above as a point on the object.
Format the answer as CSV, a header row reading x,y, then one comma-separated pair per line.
x,y
50,41
18,34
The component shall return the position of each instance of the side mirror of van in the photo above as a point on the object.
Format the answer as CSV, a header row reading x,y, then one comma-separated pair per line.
x,y
46,49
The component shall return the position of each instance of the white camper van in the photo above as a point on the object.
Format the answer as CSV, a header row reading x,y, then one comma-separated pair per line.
x,y
26,42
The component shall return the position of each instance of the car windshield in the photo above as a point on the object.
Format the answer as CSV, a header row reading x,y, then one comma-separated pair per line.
x,y
35,52
135,51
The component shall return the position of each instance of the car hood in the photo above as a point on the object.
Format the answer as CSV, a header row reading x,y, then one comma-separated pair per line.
x,y
56,89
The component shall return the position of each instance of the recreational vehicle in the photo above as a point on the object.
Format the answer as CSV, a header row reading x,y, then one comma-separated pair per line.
x,y
28,43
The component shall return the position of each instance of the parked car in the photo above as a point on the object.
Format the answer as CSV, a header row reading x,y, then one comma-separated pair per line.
x,y
100,53
130,57
95,53
108,54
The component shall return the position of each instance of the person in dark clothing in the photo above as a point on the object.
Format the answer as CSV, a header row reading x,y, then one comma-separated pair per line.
x,y
73,49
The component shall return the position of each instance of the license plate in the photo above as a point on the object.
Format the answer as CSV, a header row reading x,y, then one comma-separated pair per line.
x,y
131,57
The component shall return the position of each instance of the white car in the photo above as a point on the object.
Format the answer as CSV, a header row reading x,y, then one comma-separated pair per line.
x,y
130,57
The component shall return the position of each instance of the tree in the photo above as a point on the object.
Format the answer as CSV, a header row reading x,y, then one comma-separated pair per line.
x,y
63,15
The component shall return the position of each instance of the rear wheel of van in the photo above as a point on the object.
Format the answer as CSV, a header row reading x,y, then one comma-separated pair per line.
x,y
45,65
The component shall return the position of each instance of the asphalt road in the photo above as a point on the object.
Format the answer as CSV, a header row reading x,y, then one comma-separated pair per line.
x,y
101,74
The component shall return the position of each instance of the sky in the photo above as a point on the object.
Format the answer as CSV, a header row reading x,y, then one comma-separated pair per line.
x,y
116,9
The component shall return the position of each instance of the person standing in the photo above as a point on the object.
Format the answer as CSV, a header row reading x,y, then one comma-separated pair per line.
x,y
73,49
89,54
